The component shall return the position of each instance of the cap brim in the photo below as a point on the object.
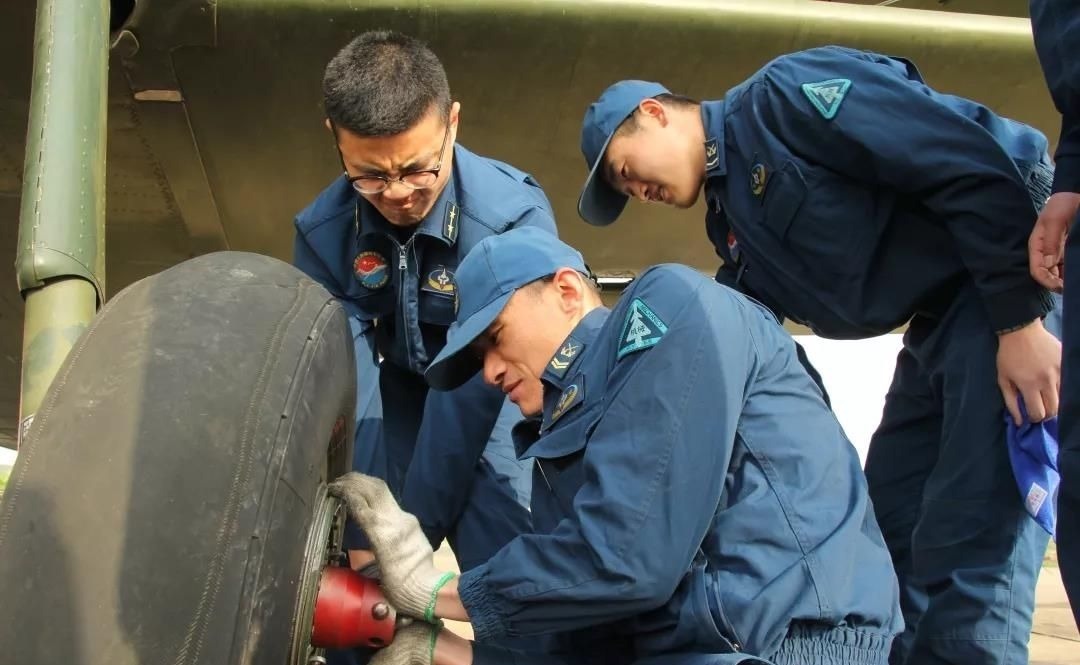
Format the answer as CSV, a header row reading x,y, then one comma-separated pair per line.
x,y
599,204
455,364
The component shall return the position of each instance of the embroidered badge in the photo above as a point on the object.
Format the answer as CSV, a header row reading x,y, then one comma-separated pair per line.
x,y
758,175
450,223
573,394
441,280
712,154
643,328
564,357
826,96
733,246
371,270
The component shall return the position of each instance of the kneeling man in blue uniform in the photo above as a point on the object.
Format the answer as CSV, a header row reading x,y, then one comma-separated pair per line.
x,y
694,499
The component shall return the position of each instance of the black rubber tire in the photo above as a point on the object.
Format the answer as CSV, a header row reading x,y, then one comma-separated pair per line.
x,y
158,510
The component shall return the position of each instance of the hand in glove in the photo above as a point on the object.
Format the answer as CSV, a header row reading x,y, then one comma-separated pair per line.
x,y
404,556
413,645
426,644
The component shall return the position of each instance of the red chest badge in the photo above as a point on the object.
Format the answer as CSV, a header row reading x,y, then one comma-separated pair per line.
x,y
371,270
733,246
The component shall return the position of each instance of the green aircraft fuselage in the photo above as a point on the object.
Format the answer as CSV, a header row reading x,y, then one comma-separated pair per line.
x,y
216,139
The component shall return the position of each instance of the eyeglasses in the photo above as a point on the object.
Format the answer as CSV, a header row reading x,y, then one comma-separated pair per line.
x,y
373,184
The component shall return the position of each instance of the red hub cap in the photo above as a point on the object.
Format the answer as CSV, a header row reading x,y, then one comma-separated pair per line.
x,y
350,611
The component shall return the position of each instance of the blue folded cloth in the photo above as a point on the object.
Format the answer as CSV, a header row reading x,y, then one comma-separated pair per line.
x,y
1033,453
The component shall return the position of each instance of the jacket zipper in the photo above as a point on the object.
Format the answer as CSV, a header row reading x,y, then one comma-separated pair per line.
x,y
403,273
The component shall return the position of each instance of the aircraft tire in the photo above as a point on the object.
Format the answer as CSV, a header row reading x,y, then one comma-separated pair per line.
x,y
163,504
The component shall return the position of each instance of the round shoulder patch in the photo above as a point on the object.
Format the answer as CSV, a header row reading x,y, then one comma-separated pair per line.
x,y
371,269
758,176
441,280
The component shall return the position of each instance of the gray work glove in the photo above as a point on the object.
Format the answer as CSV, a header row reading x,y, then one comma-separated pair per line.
x,y
412,645
406,566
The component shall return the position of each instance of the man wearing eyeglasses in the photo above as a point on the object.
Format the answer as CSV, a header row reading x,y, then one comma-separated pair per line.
x,y
386,238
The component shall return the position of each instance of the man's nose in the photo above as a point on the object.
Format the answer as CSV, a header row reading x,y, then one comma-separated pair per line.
x,y
494,369
397,191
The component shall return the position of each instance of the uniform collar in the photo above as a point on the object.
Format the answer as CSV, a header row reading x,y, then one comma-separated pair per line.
x,y
556,379
712,118
442,221
571,350
524,434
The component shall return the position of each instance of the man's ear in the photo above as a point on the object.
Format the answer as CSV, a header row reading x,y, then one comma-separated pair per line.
x,y
571,289
326,121
652,108
453,119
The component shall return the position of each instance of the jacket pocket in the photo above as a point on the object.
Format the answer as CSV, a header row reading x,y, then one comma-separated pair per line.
x,y
560,456
826,226
686,623
436,308
784,195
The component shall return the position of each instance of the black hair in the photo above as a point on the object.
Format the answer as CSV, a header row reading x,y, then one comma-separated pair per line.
x,y
630,125
589,275
383,83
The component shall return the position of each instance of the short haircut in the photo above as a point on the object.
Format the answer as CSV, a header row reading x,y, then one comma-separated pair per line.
x,y
630,125
591,283
383,83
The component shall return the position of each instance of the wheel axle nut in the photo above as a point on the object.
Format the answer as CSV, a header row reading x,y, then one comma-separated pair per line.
x,y
380,611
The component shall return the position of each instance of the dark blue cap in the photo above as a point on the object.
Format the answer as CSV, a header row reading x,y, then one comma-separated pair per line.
x,y
1033,454
488,275
599,204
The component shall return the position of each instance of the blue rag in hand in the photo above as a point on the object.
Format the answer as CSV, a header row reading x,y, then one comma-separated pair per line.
x,y
1033,453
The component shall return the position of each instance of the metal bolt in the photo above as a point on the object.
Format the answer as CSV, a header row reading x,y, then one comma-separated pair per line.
x,y
380,611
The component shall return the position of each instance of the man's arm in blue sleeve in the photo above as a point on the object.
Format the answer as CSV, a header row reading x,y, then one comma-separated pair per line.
x,y
889,131
537,216
453,434
1056,24
654,468
305,258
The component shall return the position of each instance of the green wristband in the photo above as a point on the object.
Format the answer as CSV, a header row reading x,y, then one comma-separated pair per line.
x,y
434,639
429,613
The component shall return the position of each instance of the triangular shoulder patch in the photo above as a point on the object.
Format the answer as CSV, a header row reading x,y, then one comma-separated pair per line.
x,y
826,96
642,329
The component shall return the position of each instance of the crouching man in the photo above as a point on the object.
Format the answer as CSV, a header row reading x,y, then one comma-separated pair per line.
x,y
694,499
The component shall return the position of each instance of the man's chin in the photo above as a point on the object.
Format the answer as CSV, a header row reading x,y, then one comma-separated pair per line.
x,y
530,411
686,202
404,218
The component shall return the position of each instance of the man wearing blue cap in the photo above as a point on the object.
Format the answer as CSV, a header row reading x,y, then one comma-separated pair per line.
x,y
1056,26
849,196
693,494
386,238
